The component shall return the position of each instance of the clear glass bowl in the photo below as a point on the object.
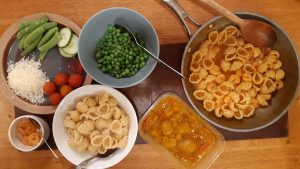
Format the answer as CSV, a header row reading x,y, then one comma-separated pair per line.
x,y
210,156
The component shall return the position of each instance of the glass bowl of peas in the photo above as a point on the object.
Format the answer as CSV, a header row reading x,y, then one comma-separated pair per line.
x,y
109,55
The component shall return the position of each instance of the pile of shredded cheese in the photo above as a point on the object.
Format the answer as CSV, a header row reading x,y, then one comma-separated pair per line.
x,y
26,79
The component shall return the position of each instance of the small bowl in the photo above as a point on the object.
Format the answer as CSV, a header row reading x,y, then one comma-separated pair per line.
x,y
96,27
13,138
60,133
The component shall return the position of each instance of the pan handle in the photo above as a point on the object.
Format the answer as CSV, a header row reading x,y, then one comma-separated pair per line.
x,y
182,14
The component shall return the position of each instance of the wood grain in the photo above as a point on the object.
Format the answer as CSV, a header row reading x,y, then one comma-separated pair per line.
x,y
283,153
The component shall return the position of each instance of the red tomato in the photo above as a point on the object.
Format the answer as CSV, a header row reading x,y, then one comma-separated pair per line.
x,y
55,98
61,79
49,88
65,90
75,80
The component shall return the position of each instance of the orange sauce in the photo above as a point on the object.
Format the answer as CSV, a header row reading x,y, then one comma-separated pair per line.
x,y
177,128
28,133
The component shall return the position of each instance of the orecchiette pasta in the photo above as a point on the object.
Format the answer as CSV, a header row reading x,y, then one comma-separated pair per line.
x,y
97,124
233,77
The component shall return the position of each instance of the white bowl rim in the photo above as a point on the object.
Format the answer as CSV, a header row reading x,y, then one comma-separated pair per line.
x,y
115,158
18,119
156,37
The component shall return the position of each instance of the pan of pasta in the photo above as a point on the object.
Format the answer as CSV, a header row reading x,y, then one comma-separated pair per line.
x,y
234,84
95,119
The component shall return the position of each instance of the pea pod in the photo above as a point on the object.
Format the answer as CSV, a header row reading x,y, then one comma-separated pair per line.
x,y
43,54
51,43
32,46
21,42
47,36
31,27
25,24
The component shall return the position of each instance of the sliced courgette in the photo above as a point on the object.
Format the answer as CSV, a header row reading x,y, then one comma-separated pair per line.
x,y
66,35
72,47
65,54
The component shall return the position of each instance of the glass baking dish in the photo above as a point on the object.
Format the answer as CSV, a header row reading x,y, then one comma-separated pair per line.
x,y
173,148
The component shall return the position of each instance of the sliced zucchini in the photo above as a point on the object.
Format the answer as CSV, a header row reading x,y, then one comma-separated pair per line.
x,y
66,35
65,54
72,47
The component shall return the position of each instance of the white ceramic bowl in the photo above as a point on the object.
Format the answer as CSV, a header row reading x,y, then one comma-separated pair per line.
x,y
12,133
60,134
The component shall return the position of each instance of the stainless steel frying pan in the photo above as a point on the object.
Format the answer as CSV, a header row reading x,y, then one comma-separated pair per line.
x,y
281,100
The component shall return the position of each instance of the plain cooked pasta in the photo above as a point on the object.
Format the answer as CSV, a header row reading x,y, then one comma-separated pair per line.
x,y
97,124
232,77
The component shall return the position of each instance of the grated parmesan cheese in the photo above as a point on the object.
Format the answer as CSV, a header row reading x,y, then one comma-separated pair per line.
x,y
26,79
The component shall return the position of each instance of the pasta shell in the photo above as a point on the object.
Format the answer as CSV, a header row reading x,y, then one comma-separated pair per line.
x,y
89,101
97,140
92,148
225,65
102,98
217,94
231,41
194,78
279,74
240,51
248,111
195,67
116,112
124,120
84,117
197,57
69,123
112,102
122,143
107,141
238,114
230,57
82,107
200,94
228,114
208,63
230,50
218,112
279,84
75,115
116,126
256,52
213,37
224,89
233,107
102,149
240,41
248,68
257,78
209,105
222,37
231,31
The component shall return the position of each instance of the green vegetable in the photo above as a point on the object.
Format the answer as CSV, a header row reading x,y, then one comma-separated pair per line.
x,y
38,31
51,43
118,55
25,24
43,54
21,42
31,27
48,36
32,46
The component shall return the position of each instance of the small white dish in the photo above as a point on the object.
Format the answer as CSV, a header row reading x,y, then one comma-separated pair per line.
x,y
60,133
14,140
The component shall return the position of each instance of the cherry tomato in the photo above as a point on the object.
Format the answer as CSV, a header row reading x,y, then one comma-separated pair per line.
x,y
49,88
61,79
65,90
75,80
55,98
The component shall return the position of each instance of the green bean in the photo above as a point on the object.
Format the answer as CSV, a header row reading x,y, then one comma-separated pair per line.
x,y
21,42
32,26
48,36
49,25
51,43
32,46
33,35
43,54
25,24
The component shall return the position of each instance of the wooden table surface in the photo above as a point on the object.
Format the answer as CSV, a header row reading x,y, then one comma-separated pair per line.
x,y
281,153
